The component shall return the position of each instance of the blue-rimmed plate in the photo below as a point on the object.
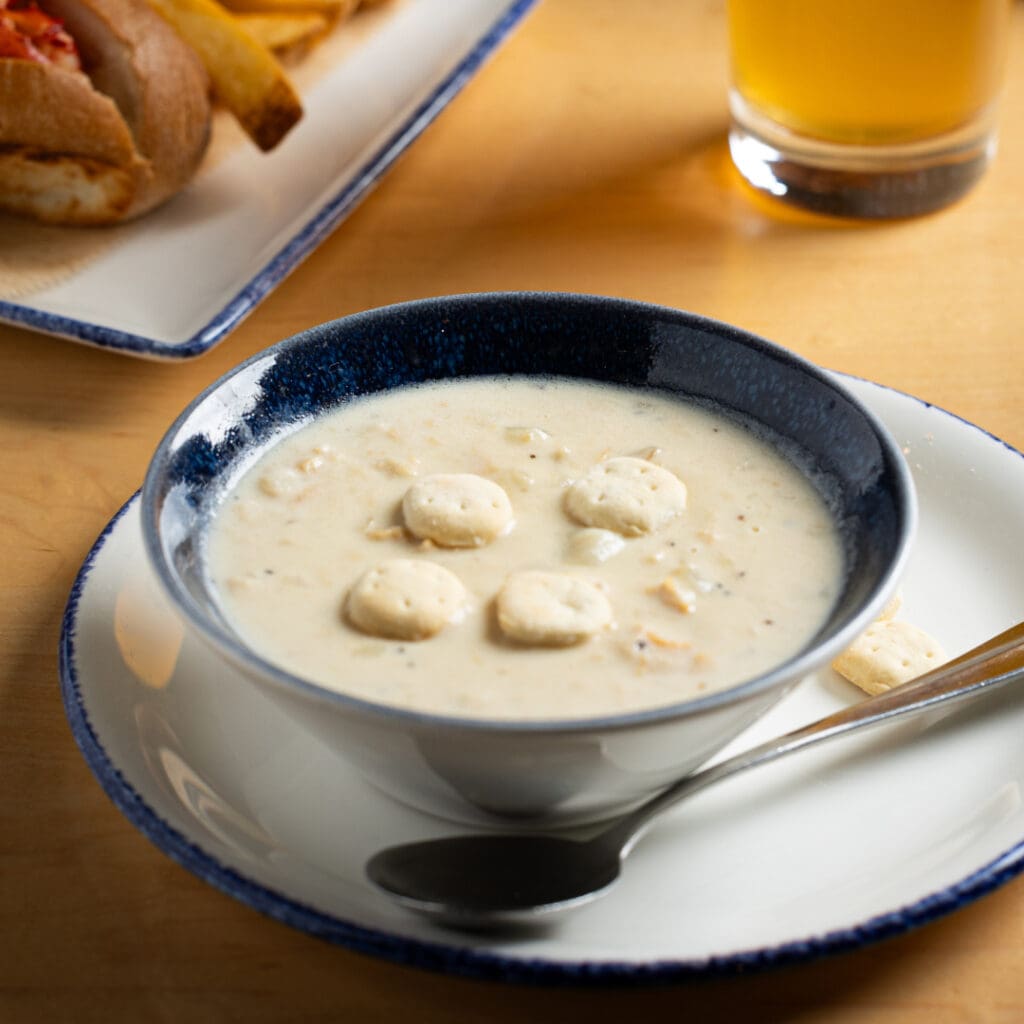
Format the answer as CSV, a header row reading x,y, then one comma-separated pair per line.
x,y
834,849
178,281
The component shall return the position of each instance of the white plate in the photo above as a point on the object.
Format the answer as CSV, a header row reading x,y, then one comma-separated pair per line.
x,y
829,850
180,279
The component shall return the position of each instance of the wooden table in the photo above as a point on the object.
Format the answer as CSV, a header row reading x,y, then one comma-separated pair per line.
x,y
589,155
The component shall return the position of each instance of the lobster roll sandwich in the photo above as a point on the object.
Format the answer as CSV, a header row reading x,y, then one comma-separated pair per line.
x,y
104,110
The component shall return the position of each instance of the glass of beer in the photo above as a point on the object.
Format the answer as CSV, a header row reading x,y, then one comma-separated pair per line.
x,y
865,108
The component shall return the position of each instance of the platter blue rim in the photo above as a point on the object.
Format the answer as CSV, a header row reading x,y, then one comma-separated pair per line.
x,y
355,188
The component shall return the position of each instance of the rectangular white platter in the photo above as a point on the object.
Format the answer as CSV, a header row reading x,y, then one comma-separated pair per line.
x,y
178,281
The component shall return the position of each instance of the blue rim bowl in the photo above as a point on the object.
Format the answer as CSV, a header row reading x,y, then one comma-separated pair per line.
x,y
563,770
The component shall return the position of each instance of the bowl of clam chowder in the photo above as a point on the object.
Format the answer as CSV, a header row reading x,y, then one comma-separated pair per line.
x,y
527,557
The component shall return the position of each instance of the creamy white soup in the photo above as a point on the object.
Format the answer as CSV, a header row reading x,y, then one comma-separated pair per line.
x,y
521,548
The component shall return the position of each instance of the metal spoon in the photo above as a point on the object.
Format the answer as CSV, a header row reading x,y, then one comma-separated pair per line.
x,y
498,880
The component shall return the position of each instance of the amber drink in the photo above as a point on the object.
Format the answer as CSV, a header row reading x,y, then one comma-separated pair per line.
x,y
874,108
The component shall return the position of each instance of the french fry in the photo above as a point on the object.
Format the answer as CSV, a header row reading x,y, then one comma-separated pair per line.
x,y
288,35
246,77
333,9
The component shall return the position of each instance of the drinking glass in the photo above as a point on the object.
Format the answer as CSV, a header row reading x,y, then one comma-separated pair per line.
x,y
866,108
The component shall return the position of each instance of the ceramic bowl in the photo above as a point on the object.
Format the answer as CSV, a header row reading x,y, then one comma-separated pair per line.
x,y
537,772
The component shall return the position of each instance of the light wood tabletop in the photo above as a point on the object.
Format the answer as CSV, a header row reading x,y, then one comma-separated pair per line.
x,y
588,155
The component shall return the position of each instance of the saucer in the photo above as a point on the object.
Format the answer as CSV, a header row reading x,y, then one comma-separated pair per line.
x,y
826,851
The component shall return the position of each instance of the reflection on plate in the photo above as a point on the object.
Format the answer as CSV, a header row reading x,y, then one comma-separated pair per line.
x,y
176,282
833,849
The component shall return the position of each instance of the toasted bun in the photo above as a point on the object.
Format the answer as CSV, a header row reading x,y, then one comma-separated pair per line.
x,y
110,146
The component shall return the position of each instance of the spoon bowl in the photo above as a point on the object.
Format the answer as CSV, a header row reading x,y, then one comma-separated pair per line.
x,y
479,881
498,880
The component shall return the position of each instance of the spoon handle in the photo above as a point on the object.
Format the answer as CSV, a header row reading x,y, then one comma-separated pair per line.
x,y
988,666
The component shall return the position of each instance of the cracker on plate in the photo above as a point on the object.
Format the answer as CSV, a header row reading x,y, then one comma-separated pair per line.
x,y
889,652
